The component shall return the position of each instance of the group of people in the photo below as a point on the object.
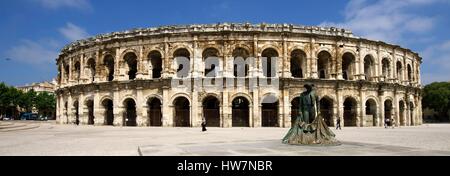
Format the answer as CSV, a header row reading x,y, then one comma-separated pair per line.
x,y
389,122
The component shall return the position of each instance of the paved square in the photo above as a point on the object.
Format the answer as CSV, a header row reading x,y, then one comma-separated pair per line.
x,y
47,138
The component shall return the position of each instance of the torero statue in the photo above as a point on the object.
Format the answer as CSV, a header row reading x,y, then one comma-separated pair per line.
x,y
309,127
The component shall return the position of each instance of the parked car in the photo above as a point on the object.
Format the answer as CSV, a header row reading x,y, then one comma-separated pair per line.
x,y
29,116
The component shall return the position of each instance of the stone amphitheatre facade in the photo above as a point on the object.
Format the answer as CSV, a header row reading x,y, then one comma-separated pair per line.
x,y
127,78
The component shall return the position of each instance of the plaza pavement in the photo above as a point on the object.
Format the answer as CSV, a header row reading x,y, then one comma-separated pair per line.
x,y
48,138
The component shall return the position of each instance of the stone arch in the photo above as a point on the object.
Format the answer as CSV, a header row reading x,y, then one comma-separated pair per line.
x,y
180,94
182,112
77,70
269,110
409,72
348,65
350,108
154,49
179,47
89,104
298,63
324,63
386,67
211,68
211,110
268,67
371,116
270,46
76,108
129,114
399,70
240,107
245,95
156,63
369,67
109,63
128,96
130,61
299,47
412,107
151,96
402,110
237,66
326,104
126,51
244,46
108,106
154,110
180,70
206,95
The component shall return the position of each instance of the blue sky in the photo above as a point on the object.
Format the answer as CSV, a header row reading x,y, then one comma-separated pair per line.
x,y
33,31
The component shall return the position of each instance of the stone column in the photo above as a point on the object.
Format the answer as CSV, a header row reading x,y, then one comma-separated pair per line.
x,y
225,120
313,60
167,110
287,108
140,62
255,121
395,108
340,105
82,110
285,64
140,108
381,109
338,63
196,119
361,108
117,72
118,108
99,111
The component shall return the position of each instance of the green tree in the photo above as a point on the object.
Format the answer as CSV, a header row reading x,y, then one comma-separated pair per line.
x,y
27,100
45,102
436,96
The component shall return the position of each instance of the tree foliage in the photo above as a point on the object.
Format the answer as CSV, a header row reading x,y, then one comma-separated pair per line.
x,y
10,97
436,96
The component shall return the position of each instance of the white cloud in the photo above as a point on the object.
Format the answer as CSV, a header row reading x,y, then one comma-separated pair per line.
x,y
386,20
56,4
41,52
73,32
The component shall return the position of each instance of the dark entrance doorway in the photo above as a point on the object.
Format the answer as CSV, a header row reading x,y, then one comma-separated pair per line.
x,y
211,111
350,112
130,113
90,107
77,112
154,112
182,113
240,112
269,112
109,116
326,110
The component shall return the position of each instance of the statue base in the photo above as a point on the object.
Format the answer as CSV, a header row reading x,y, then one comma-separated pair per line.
x,y
314,133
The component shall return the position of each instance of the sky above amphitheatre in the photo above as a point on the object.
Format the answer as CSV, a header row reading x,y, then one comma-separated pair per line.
x,y
32,32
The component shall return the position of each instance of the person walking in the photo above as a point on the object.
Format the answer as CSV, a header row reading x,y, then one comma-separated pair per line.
x,y
386,123
338,123
203,124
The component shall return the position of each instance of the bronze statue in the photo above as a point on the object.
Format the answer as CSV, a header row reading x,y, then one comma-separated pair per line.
x,y
309,127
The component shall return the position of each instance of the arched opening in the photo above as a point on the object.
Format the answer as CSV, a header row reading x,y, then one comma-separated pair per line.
x,y
295,108
183,68
409,73
269,59
240,112
156,62
401,107
269,111
59,74
388,110
350,112
240,67
399,70
130,113
371,113
108,61
411,113
108,111
386,68
182,112
91,66
154,112
77,112
368,67
90,108
211,111
323,64
326,110
66,71
211,62
298,58
348,60
131,61
77,70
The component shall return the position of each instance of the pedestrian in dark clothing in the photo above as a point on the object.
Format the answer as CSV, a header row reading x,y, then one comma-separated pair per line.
x,y
338,124
203,124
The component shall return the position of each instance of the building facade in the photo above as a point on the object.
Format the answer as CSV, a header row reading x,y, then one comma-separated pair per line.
x,y
134,78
